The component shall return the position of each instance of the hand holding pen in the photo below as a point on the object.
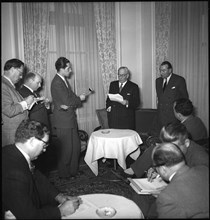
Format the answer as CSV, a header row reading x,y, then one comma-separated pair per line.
x,y
152,174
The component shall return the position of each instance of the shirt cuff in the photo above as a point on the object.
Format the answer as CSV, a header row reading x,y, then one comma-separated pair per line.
x,y
24,105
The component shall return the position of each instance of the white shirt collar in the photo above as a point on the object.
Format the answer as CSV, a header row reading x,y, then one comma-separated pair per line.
x,y
172,175
123,83
62,77
25,155
168,78
9,80
28,88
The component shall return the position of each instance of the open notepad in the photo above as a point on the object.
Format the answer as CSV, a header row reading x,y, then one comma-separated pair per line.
x,y
143,186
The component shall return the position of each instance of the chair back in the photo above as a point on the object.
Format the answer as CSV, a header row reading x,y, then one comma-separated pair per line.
x,y
102,118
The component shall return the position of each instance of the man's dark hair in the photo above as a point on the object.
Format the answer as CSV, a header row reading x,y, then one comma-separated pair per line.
x,y
13,63
184,106
173,132
61,63
168,64
28,129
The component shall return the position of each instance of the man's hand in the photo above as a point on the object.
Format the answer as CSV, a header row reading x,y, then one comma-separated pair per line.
x,y
151,174
68,207
82,97
64,107
29,100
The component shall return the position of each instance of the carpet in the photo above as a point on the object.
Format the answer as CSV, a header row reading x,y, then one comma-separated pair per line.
x,y
88,183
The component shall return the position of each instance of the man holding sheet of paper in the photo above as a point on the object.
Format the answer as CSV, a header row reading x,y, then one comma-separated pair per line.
x,y
122,101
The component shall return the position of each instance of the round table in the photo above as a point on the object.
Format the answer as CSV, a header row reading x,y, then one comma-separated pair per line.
x,y
112,144
125,208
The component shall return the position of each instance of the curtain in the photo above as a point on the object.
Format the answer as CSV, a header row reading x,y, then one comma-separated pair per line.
x,y
188,51
162,32
36,37
73,35
106,35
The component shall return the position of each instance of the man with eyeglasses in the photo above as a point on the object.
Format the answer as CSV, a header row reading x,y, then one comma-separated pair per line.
x,y
39,112
121,115
27,193
14,106
187,194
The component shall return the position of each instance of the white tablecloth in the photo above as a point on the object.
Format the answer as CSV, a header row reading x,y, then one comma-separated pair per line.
x,y
117,144
125,208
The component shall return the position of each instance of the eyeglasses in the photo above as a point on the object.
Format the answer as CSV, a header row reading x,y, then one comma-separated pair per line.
x,y
122,75
46,143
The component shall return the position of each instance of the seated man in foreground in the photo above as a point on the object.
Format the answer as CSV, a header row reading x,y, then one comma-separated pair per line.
x,y
174,133
186,195
28,194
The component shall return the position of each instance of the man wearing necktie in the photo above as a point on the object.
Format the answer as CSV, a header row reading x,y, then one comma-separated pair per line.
x,y
169,87
28,194
14,107
65,120
39,112
121,115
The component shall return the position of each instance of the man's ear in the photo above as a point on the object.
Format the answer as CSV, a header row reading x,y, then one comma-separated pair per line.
x,y
187,142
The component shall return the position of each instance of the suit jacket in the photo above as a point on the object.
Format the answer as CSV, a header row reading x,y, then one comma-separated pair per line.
x,y
26,195
195,155
123,117
38,111
186,196
12,111
62,95
175,89
196,128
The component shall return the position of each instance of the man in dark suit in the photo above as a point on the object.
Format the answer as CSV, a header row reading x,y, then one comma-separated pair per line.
x,y
64,115
32,82
187,194
169,87
121,115
14,106
184,112
27,194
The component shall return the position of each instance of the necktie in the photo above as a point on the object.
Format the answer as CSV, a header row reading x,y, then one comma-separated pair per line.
x,y
164,85
32,167
66,84
121,86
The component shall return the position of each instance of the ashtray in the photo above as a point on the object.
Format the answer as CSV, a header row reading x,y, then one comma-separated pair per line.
x,y
106,212
105,132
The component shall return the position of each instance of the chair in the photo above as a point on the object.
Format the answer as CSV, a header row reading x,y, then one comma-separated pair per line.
x,y
102,118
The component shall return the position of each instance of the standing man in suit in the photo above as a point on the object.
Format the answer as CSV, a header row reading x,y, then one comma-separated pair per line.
x,y
121,115
187,194
184,112
27,193
32,82
65,120
14,106
169,87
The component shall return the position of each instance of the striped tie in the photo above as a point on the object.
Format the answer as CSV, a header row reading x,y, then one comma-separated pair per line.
x,y
121,86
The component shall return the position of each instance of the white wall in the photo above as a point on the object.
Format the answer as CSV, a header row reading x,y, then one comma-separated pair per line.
x,y
136,44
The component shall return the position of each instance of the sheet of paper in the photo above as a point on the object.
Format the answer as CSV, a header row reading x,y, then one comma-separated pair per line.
x,y
115,97
143,186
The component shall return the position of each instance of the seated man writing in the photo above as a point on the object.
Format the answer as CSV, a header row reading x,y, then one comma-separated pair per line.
x,y
26,193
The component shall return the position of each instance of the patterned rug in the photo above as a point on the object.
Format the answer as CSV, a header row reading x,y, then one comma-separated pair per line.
x,y
88,183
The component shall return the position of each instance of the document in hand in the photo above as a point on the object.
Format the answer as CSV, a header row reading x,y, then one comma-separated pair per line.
x,y
115,97
143,186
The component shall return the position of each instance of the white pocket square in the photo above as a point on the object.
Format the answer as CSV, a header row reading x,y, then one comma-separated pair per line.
x,y
173,87
128,94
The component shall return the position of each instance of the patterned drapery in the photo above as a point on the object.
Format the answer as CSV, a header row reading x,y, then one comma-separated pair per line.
x,y
162,31
36,36
105,28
